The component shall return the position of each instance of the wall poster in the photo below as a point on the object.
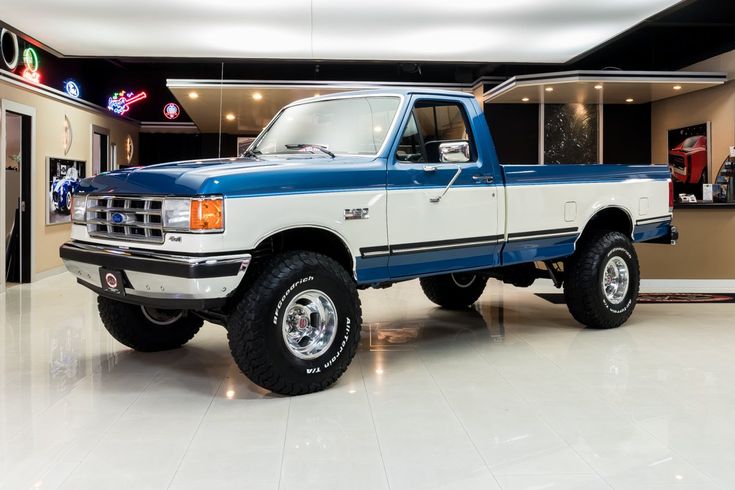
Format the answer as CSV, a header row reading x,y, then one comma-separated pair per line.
x,y
63,177
690,158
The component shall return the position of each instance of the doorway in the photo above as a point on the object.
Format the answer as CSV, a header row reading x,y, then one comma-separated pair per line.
x,y
100,150
17,197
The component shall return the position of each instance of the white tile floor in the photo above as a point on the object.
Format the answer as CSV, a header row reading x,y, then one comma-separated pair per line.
x,y
509,395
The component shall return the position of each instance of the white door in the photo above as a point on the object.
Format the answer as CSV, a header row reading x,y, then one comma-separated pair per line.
x,y
430,230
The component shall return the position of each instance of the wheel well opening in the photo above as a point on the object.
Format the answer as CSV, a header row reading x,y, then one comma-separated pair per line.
x,y
311,239
613,219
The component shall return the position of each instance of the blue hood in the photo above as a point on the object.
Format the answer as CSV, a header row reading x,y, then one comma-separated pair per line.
x,y
239,177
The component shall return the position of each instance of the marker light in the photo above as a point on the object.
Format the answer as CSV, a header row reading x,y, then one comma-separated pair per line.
x,y
206,214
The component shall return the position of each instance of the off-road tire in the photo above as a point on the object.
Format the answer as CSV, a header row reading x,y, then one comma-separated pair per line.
x,y
255,327
129,326
583,290
453,291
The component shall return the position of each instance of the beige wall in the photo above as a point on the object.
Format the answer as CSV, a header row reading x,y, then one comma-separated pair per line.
x,y
707,240
49,124
716,105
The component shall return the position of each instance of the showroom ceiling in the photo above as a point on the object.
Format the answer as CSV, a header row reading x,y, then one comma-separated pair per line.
x,y
524,31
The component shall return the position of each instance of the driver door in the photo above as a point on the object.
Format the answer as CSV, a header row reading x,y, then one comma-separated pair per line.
x,y
442,200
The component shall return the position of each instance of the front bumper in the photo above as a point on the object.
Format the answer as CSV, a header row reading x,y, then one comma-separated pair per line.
x,y
158,279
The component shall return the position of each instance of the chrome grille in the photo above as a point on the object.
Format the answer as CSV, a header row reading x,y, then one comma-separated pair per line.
x,y
132,218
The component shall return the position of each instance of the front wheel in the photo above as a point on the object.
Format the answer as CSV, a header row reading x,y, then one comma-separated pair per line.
x,y
147,329
297,328
453,291
602,280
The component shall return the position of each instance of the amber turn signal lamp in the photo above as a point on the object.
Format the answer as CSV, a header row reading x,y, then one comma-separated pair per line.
x,y
207,214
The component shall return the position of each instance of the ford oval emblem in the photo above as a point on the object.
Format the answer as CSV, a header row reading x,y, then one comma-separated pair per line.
x,y
118,218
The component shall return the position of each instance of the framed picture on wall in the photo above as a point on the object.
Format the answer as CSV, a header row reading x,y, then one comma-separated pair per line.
x,y
690,158
63,177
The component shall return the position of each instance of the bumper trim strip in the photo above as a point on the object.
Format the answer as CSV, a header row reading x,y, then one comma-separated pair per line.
x,y
186,266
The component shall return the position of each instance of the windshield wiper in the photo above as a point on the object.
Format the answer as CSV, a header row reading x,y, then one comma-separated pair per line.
x,y
251,153
299,146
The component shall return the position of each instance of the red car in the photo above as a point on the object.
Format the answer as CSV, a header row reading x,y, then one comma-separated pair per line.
x,y
688,160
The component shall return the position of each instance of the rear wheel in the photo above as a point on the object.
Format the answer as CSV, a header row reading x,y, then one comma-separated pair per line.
x,y
453,291
602,280
145,328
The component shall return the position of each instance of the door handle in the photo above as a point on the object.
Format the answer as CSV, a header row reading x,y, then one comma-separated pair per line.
x,y
451,182
429,168
483,179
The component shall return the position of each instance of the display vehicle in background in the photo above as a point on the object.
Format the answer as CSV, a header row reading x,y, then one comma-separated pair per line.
x,y
688,160
345,192
62,191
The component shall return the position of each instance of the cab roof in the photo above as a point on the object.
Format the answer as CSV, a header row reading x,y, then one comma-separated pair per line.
x,y
387,91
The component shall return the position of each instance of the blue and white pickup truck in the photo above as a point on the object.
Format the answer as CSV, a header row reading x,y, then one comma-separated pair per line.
x,y
344,192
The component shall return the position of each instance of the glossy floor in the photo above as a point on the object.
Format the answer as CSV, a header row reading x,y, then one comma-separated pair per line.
x,y
511,394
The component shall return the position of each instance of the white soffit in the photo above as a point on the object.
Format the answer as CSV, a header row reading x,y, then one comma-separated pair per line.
x,y
528,31
601,86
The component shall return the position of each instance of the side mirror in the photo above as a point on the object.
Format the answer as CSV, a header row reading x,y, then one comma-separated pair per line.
x,y
454,152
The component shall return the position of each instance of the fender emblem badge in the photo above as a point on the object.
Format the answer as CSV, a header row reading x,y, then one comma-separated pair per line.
x,y
357,213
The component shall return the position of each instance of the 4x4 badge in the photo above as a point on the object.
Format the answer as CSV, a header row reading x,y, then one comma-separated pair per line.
x,y
357,213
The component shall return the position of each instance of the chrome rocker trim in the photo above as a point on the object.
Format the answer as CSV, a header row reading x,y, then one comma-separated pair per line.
x,y
163,280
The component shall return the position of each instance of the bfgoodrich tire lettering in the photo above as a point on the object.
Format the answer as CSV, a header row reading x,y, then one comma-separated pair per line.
x,y
132,327
255,328
584,288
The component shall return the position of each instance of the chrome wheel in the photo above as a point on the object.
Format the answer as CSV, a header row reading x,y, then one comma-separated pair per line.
x,y
463,280
615,280
310,324
161,317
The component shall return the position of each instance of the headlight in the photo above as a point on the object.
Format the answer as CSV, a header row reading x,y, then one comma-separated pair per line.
x,y
79,208
198,215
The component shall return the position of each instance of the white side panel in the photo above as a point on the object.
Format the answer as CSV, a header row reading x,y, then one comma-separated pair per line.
x,y
541,207
463,212
250,220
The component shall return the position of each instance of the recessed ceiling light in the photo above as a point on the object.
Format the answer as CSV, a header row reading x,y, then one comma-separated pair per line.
x,y
629,99
230,116
598,87
525,99
257,96
549,89
193,95
677,87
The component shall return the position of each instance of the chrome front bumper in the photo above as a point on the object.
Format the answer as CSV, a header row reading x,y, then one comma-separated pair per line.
x,y
159,279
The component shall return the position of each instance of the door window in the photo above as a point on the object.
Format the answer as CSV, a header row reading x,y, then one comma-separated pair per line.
x,y
434,125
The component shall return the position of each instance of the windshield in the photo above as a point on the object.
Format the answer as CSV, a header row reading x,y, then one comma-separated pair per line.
x,y
354,126
690,142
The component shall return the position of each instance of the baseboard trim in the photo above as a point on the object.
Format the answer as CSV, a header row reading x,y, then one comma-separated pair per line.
x,y
660,286
49,273
688,285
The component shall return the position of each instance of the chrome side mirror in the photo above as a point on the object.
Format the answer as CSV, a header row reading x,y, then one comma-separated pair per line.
x,y
454,152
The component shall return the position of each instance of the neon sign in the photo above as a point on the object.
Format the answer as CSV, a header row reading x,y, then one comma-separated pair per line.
x,y
171,111
5,37
30,61
121,101
71,88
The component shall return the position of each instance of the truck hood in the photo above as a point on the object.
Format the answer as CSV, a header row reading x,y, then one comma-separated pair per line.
x,y
235,176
